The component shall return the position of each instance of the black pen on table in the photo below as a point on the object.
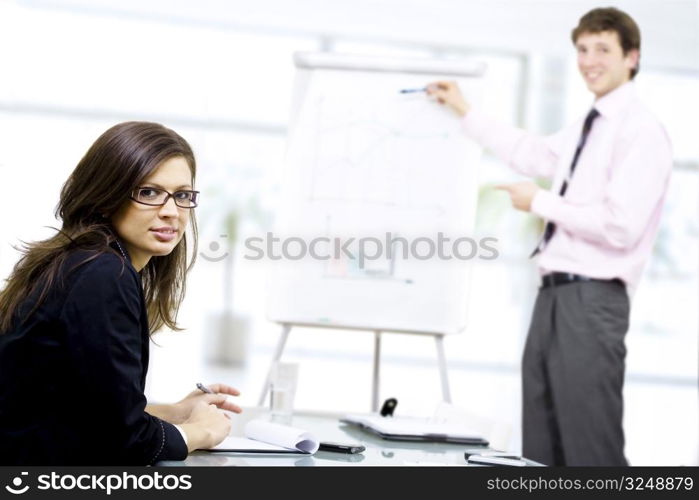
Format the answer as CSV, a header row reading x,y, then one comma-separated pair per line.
x,y
204,389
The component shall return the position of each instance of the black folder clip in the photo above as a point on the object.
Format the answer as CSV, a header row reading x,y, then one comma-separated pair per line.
x,y
388,407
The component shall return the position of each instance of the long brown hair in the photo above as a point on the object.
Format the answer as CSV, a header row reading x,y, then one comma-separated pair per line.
x,y
114,165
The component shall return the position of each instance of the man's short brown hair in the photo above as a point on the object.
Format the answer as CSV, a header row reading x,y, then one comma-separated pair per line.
x,y
611,19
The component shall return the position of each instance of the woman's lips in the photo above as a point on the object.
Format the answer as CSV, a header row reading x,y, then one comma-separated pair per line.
x,y
164,234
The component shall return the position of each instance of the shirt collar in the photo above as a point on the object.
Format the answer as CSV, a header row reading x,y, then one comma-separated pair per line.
x,y
612,103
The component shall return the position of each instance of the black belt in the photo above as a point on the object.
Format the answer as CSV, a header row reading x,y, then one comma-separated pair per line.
x,y
555,279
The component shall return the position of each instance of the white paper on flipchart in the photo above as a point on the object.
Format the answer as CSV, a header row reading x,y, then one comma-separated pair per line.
x,y
364,160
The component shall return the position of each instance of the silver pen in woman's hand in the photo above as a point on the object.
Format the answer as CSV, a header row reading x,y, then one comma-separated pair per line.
x,y
203,388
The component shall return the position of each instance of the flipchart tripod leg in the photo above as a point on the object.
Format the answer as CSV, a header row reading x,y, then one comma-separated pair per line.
x,y
286,328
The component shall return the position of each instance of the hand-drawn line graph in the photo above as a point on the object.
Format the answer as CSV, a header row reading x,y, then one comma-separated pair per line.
x,y
375,265
388,151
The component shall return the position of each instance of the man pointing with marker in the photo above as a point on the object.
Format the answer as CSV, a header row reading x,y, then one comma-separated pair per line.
x,y
610,172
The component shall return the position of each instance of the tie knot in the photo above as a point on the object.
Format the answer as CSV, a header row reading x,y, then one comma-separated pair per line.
x,y
589,119
591,115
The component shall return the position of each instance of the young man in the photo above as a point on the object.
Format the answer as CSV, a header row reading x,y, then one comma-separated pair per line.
x,y
610,172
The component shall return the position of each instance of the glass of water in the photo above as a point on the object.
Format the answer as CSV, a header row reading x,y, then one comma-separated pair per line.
x,y
283,380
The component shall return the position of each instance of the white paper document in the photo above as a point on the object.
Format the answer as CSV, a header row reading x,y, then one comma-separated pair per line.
x,y
262,436
415,429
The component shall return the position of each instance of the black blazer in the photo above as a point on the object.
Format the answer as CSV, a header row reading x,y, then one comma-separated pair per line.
x,y
72,374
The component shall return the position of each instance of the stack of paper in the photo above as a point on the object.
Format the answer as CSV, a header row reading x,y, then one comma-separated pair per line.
x,y
415,429
262,436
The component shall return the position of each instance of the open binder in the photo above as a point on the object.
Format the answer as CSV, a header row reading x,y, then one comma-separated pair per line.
x,y
415,429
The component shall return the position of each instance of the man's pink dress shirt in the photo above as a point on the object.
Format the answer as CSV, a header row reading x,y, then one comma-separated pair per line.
x,y
608,219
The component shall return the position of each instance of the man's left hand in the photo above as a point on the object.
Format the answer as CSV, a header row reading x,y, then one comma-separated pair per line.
x,y
521,194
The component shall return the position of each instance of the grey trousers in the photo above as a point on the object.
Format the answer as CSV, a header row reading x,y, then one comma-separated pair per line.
x,y
573,375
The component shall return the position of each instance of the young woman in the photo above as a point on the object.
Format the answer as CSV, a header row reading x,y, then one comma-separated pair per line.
x,y
78,310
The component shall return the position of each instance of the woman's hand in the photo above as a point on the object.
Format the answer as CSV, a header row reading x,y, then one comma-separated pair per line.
x,y
177,413
182,410
449,94
206,426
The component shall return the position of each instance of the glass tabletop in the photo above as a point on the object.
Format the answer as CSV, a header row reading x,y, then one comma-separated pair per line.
x,y
327,427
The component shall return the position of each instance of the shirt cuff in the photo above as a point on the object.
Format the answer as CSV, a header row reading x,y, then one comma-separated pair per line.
x,y
184,435
546,204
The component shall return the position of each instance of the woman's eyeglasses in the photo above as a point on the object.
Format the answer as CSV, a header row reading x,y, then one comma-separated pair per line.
x,y
156,197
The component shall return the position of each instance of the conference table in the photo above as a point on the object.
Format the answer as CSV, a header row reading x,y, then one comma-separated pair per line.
x,y
327,426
